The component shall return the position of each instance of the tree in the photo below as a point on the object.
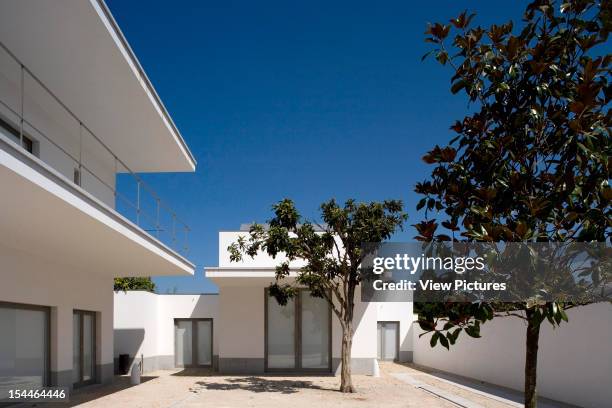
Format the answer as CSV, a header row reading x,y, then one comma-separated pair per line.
x,y
532,162
126,284
332,253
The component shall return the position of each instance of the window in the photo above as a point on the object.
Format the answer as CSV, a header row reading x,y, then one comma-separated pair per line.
x,y
24,347
298,335
193,342
83,347
12,133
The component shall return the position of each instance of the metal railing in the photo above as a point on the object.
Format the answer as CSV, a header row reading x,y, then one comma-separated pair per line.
x,y
73,142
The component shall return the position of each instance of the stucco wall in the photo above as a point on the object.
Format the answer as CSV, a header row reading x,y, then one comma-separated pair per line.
x,y
574,362
45,115
241,328
144,324
63,289
401,312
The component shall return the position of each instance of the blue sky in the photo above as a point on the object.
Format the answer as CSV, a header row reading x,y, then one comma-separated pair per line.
x,y
305,100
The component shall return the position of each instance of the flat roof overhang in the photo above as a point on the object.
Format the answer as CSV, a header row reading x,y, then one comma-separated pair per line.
x,y
77,50
44,214
243,276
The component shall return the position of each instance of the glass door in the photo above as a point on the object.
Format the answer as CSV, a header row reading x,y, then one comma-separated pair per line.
x,y
193,342
315,332
24,347
83,347
298,334
388,336
280,335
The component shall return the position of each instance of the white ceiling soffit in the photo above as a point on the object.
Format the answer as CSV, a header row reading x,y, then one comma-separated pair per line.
x,y
76,49
52,219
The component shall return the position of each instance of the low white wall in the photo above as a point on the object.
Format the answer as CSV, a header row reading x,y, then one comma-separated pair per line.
x,y
144,324
574,363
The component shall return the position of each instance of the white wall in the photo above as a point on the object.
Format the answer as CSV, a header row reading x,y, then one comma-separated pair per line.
x,y
144,324
574,362
399,312
27,279
45,115
184,306
261,260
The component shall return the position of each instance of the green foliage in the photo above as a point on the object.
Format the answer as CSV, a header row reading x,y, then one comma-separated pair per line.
x,y
126,284
532,163
332,251
332,254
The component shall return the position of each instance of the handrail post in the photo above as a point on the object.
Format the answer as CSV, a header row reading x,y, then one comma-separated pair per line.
x,y
80,153
186,245
22,86
138,203
157,226
174,230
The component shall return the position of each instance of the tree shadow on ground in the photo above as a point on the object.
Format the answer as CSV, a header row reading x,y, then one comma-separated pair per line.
x,y
259,384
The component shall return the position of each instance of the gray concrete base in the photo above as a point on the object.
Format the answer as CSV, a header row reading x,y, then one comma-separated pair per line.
x,y
241,365
61,378
405,356
151,363
154,363
363,366
104,375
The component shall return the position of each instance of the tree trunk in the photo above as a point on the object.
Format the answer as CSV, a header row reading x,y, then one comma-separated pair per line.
x,y
531,360
346,382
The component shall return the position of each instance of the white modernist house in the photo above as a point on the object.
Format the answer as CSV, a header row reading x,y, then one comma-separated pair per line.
x,y
78,121
241,330
256,334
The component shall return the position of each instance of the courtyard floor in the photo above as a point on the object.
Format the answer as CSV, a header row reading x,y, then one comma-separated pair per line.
x,y
397,386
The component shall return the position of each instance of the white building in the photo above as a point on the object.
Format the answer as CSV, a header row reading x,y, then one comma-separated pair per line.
x,y
241,330
78,120
257,335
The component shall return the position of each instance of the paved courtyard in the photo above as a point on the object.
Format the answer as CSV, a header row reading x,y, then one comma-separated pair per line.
x,y
398,386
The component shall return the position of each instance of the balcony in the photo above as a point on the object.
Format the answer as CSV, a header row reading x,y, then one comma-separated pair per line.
x,y
68,196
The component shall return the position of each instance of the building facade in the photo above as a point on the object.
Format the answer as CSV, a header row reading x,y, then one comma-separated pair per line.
x,y
258,335
79,120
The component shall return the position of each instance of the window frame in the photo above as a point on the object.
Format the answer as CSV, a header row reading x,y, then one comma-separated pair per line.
x,y
47,336
194,341
94,375
297,368
28,144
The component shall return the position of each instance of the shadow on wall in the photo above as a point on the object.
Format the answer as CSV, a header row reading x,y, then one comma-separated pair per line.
x,y
127,341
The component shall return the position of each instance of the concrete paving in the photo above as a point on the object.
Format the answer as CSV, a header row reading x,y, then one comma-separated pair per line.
x,y
397,386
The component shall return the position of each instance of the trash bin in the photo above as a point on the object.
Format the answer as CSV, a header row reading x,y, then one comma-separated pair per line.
x,y
124,364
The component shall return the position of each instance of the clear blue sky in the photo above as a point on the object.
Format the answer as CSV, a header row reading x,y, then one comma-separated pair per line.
x,y
306,100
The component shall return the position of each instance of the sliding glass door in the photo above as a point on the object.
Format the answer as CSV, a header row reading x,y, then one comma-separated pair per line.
x,y
298,335
83,347
281,335
193,342
24,347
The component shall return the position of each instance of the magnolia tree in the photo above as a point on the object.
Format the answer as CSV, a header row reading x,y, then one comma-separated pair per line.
x,y
331,253
532,162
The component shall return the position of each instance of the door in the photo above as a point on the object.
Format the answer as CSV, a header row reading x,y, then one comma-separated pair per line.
x,y
83,347
24,347
193,342
388,340
298,334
